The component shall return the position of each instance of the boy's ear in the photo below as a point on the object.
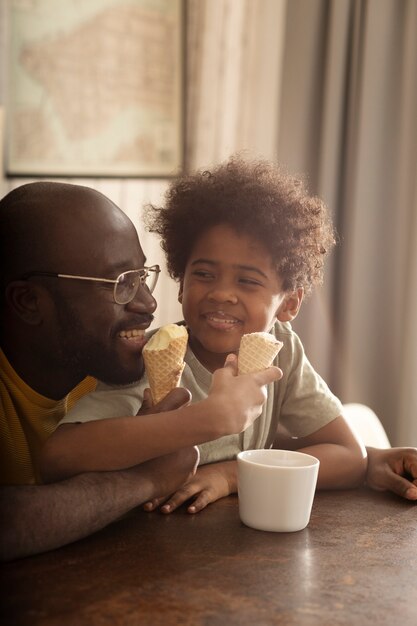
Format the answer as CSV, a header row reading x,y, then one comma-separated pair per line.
x,y
290,306
180,292
22,297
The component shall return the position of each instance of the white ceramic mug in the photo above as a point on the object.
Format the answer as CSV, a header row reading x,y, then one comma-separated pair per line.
x,y
276,489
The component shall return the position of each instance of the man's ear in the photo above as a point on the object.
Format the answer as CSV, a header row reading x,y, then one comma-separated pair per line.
x,y
23,299
290,306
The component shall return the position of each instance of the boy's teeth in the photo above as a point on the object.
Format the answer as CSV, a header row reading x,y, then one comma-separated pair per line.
x,y
222,320
129,334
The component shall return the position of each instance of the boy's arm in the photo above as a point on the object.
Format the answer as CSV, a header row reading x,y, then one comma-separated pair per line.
x,y
343,459
39,518
391,469
233,403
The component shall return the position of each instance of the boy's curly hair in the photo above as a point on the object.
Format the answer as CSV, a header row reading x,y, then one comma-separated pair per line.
x,y
256,198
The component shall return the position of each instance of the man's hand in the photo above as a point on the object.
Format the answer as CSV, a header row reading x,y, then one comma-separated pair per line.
x,y
170,471
167,473
210,483
393,469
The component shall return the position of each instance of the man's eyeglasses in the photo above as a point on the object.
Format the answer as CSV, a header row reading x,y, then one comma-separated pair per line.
x,y
126,284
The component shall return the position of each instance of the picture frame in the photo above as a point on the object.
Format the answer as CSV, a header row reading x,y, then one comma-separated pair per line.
x,y
95,89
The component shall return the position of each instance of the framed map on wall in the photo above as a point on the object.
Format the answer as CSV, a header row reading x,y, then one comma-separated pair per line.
x,y
95,88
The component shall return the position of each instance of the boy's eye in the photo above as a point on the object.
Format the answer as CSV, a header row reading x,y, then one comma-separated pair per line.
x,y
250,282
202,274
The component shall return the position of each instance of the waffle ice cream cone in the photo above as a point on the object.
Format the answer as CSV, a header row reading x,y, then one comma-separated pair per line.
x,y
164,359
257,351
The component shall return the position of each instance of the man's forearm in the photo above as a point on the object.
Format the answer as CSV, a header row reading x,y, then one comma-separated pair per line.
x,y
39,518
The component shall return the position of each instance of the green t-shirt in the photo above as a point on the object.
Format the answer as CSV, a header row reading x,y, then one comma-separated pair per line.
x,y
301,401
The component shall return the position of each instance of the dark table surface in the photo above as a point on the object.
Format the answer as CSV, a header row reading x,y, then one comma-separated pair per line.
x,y
355,564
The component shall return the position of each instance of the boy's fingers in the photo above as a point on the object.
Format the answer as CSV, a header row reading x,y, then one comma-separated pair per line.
x,y
200,503
179,497
402,487
174,502
269,375
151,505
410,462
411,493
231,363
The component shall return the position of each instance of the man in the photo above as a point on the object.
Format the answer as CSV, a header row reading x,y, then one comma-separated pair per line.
x,y
76,301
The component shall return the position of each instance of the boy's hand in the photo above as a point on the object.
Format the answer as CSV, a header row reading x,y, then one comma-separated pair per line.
x,y
176,399
210,483
393,469
240,398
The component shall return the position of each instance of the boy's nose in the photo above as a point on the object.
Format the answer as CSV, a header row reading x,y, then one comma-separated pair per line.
x,y
222,294
143,302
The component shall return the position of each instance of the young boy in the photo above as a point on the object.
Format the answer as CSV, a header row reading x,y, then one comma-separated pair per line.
x,y
245,243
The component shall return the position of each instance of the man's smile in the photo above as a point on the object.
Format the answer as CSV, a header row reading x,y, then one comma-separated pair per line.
x,y
133,338
133,334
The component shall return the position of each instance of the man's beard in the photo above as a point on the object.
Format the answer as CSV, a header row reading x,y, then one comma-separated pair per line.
x,y
88,356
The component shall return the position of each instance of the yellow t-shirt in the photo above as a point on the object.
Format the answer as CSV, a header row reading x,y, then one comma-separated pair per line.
x,y
27,419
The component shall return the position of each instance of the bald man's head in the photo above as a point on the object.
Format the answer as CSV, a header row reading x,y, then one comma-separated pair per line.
x,y
57,227
56,330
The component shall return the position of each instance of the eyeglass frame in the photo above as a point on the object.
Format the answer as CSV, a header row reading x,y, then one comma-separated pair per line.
x,y
116,281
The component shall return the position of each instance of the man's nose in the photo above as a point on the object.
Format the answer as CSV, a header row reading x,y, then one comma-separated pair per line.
x,y
143,302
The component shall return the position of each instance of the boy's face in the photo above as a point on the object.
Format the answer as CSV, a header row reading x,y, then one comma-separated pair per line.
x,y
230,288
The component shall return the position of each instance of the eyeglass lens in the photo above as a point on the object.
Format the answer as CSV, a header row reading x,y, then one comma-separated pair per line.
x,y
128,284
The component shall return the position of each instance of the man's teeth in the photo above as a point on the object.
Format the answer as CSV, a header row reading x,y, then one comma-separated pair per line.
x,y
132,334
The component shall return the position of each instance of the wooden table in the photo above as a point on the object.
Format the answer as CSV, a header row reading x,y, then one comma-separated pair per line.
x,y
355,564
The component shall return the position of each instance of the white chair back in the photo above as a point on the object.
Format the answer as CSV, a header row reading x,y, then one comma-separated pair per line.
x,y
366,425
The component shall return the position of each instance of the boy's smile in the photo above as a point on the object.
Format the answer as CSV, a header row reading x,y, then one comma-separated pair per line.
x,y
230,288
221,321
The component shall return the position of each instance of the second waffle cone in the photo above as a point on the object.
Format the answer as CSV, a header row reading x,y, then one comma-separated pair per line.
x,y
257,351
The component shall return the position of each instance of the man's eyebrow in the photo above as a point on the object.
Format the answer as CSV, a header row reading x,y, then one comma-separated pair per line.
x,y
124,266
247,268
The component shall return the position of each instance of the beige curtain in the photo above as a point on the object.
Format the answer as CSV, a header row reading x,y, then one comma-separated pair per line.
x,y
357,138
234,68
329,88
377,303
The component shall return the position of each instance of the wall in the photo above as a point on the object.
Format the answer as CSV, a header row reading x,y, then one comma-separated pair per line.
x,y
232,100
129,194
